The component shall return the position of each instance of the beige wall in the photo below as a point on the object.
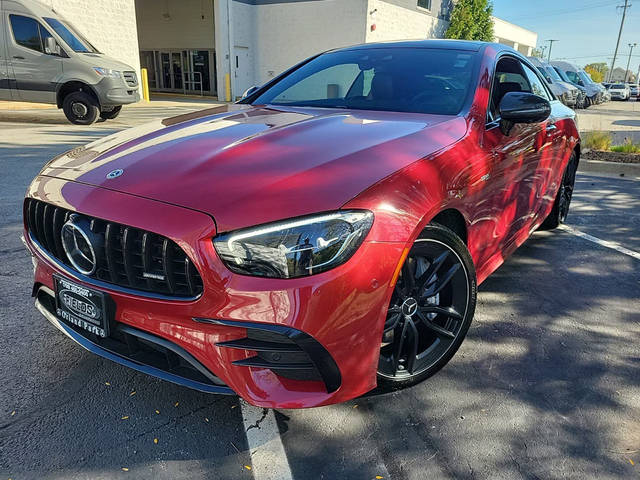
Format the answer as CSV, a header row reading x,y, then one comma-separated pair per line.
x,y
176,24
395,21
110,25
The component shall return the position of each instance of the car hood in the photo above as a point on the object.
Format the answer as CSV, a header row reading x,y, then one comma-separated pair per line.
x,y
248,165
568,86
103,61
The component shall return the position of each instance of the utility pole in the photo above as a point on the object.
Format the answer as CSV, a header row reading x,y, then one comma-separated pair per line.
x,y
542,49
615,54
550,47
626,72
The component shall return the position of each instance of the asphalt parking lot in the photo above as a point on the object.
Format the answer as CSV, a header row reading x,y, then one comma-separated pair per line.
x,y
546,385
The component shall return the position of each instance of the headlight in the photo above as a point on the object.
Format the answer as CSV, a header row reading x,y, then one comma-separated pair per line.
x,y
107,72
295,248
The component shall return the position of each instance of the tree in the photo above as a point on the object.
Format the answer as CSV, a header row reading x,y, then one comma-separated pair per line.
x,y
538,53
598,71
471,20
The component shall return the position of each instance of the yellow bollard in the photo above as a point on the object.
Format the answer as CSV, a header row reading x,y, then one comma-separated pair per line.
x,y
145,85
227,87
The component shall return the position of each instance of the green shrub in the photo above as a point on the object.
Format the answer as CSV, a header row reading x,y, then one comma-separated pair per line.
x,y
598,140
627,147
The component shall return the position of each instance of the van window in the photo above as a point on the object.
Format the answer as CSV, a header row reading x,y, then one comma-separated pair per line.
x,y
72,38
28,33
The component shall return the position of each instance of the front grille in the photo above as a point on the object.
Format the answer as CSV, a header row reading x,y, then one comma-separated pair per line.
x,y
142,348
131,258
130,78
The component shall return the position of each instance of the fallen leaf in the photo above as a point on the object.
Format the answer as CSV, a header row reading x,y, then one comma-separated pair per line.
x,y
206,419
125,469
158,412
378,477
13,413
232,407
247,467
126,417
177,403
631,462
155,440
132,393
355,406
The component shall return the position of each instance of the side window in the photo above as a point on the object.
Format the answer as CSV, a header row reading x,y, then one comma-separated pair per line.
x,y
44,34
508,77
537,87
26,32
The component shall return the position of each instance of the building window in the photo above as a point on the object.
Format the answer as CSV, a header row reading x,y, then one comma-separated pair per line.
x,y
426,4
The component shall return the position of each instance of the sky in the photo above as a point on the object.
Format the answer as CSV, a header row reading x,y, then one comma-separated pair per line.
x,y
587,30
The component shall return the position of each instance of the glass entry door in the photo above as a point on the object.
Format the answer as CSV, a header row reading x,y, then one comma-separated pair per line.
x,y
180,71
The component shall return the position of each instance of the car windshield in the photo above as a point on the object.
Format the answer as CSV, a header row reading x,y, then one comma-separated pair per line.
x,y
552,73
72,38
418,80
585,77
618,86
562,75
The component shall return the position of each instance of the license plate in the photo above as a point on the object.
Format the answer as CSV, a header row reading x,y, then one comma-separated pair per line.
x,y
81,306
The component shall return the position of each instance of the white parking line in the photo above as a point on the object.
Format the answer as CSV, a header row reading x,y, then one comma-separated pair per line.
x,y
268,457
605,243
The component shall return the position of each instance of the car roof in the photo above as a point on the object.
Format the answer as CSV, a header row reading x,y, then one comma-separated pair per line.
x,y
471,46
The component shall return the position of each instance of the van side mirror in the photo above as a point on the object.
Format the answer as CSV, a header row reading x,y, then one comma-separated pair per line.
x,y
522,107
51,47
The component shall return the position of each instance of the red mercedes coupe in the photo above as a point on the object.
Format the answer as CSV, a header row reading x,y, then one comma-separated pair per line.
x,y
323,236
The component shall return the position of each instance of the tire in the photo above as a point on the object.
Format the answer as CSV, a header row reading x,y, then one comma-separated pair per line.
x,y
111,114
80,108
421,332
562,202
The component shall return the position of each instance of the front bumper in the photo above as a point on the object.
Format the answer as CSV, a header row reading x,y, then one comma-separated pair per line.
x,y
115,92
340,312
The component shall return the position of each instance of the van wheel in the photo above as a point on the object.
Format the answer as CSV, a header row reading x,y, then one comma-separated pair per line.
x,y
80,108
111,114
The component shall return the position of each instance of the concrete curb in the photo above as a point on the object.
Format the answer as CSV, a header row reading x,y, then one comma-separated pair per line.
x,y
631,170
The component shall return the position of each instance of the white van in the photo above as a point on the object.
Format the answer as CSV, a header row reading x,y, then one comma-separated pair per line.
x,y
44,59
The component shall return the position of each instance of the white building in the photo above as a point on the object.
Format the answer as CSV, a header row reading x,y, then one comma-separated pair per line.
x,y
222,47
514,36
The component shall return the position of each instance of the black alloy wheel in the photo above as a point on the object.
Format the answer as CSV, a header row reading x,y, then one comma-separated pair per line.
x,y
562,202
80,108
430,311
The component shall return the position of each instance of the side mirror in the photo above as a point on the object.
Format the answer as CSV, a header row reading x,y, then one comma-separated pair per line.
x,y
522,107
51,47
250,91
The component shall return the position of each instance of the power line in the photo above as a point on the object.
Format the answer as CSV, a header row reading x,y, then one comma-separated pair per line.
x,y
564,12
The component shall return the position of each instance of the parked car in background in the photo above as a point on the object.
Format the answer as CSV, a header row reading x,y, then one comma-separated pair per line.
x,y
635,89
48,61
583,98
620,91
325,235
566,92
595,92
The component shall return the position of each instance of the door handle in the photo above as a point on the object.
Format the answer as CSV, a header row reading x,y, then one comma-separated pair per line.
x,y
18,57
551,129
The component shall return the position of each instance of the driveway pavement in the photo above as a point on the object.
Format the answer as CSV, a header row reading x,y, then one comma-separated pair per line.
x,y
546,385
622,119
